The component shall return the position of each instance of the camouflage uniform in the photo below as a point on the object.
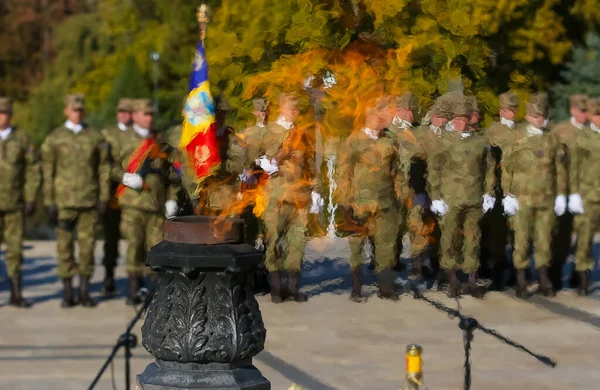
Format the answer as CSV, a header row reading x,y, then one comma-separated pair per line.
x,y
143,212
461,172
112,217
421,221
76,177
567,133
494,225
584,180
240,160
20,180
369,174
403,134
532,172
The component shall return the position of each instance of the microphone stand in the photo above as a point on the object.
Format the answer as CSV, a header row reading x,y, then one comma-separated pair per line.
x,y
128,341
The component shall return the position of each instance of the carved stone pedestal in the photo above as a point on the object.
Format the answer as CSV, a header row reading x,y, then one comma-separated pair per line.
x,y
203,324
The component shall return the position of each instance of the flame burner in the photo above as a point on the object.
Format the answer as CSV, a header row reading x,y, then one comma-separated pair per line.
x,y
203,324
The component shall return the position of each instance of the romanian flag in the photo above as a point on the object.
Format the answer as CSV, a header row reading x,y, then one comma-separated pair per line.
x,y
198,136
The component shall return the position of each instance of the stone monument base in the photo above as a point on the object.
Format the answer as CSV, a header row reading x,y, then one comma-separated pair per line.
x,y
163,375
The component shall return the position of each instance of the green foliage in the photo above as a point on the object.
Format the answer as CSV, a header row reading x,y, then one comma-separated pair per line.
x,y
580,76
128,83
263,47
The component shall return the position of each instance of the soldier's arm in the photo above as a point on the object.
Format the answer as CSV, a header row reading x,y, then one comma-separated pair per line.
x,y
49,170
560,151
434,174
401,171
237,154
33,172
104,170
344,172
490,170
575,164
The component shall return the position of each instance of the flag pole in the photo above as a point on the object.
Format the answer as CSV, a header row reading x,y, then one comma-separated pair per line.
x,y
202,17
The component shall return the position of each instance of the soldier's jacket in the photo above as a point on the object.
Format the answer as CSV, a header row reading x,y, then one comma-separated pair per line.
x,y
244,148
566,134
112,137
462,170
368,173
584,177
408,162
499,137
161,182
76,169
427,146
532,168
297,176
20,173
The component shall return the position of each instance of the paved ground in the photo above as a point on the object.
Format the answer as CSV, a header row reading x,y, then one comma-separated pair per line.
x,y
328,343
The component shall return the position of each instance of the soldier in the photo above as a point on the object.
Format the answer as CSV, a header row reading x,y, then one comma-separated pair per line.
x,y
567,133
461,173
421,221
584,180
494,226
402,129
112,218
148,192
532,175
288,158
367,181
241,157
76,191
20,180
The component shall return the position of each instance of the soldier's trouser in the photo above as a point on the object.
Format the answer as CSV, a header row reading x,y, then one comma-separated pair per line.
x,y
382,230
461,238
586,225
532,225
112,220
286,235
142,229
420,223
402,213
11,233
85,221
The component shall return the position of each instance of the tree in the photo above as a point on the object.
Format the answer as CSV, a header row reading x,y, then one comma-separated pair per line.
x,y
580,76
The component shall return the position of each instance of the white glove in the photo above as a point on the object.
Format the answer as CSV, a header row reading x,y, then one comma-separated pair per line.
x,y
317,203
575,204
439,207
259,245
488,202
268,166
171,208
133,180
510,204
560,205
245,175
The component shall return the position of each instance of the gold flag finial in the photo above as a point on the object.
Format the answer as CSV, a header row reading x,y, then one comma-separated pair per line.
x,y
202,17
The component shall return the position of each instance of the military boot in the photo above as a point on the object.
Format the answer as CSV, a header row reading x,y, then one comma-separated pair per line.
x,y
84,292
453,284
68,296
16,292
473,288
546,287
294,287
521,289
356,293
385,285
584,281
132,291
108,287
275,283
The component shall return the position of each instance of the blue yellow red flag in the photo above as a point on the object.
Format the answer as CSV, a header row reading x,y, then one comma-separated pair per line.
x,y
198,136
